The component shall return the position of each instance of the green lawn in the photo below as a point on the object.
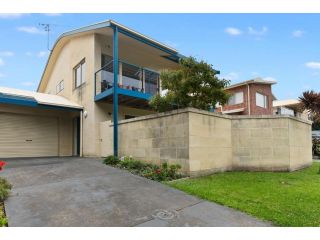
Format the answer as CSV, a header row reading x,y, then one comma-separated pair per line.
x,y
285,199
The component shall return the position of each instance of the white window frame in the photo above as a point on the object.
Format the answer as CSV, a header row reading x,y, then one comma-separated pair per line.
x,y
82,68
261,100
236,98
60,86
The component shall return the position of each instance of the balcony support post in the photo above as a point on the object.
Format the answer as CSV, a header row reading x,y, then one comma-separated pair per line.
x,y
143,80
115,90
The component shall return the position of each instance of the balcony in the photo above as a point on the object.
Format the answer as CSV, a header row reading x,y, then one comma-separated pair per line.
x,y
136,85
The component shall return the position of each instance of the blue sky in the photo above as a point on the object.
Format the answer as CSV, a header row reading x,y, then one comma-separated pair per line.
x,y
284,47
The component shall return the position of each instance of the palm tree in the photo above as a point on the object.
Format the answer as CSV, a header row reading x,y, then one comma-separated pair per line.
x,y
310,101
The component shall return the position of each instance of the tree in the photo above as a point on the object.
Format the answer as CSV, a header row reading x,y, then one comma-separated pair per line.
x,y
193,84
310,101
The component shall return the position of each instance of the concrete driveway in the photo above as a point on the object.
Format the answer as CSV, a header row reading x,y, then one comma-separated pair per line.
x,y
84,192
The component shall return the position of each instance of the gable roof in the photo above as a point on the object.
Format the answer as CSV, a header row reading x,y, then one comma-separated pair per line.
x,y
38,98
252,81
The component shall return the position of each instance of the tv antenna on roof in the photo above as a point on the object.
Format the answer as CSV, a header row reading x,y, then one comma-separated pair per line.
x,y
47,28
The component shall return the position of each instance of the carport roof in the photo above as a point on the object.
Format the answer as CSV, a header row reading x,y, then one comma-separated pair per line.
x,y
16,96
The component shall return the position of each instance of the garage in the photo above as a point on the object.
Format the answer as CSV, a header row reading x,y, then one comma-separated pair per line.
x,y
28,136
37,125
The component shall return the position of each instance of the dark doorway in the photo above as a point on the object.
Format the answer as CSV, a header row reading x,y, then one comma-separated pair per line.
x,y
76,136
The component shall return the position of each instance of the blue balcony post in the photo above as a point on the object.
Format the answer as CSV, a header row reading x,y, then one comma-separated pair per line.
x,y
115,90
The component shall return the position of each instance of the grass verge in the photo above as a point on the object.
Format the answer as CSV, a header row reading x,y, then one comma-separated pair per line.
x,y
285,199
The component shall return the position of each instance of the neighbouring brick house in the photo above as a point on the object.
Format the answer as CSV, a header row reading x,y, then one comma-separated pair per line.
x,y
252,97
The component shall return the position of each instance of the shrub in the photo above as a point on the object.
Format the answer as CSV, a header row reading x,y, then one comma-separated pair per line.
x,y
4,189
3,221
4,193
130,163
111,160
165,172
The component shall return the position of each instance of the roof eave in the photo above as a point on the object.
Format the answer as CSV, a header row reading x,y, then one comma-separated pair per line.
x,y
253,81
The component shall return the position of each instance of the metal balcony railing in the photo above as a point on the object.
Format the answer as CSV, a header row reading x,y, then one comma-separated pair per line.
x,y
131,77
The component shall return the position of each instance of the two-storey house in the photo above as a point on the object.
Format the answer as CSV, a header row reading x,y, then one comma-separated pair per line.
x,y
100,72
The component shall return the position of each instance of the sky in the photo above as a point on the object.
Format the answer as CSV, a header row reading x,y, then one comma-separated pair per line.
x,y
280,47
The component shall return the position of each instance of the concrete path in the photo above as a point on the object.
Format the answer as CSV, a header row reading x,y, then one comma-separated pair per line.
x,y
84,192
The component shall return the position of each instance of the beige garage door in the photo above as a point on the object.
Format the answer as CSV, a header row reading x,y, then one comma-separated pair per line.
x,y
28,136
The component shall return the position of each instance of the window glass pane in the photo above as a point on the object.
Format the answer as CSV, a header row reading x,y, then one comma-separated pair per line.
x,y
239,98
231,100
236,98
78,76
261,100
151,81
131,71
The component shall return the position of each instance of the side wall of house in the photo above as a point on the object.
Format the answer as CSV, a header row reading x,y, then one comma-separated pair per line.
x,y
253,88
264,89
70,56
240,105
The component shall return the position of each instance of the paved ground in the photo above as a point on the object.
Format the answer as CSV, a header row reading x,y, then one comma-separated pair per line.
x,y
84,192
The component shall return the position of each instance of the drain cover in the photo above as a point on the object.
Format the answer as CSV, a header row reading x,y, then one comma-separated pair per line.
x,y
164,214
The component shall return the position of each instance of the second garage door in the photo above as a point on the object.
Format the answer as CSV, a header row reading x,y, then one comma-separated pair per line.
x,y
28,136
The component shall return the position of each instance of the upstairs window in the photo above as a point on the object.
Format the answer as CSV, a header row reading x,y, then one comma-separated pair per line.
x,y
261,100
80,73
60,86
236,98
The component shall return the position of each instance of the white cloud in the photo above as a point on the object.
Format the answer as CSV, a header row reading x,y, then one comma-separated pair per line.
x,y
29,54
270,79
2,75
27,84
297,33
1,62
233,31
30,29
6,54
313,65
231,76
257,32
52,14
42,54
12,15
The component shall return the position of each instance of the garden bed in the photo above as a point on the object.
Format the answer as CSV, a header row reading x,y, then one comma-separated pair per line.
x,y
4,192
165,172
